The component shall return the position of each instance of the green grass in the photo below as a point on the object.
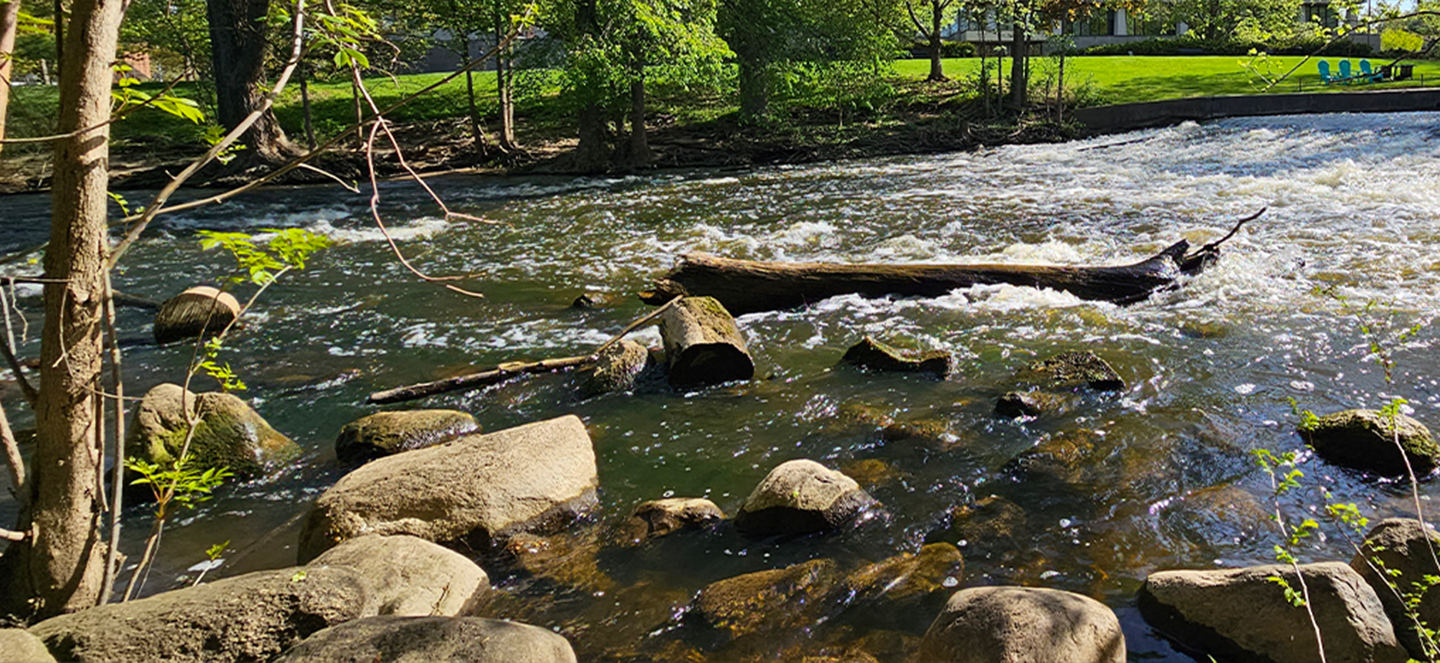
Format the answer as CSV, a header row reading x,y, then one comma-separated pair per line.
x,y
1125,79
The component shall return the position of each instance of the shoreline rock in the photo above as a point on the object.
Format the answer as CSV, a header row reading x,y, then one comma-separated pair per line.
x,y
1023,625
432,639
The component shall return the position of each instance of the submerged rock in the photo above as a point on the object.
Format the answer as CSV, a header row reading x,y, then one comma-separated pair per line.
x,y
906,582
986,520
1244,614
870,472
409,576
432,639
618,368
801,497
476,488
1061,458
1365,440
660,517
229,433
201,309
386,433
1023,625
1070,370
1031,404
873,355
252,617
779,599
1405,551
564,560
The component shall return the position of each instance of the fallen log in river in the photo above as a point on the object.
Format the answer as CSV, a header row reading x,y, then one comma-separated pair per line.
x,y
746,286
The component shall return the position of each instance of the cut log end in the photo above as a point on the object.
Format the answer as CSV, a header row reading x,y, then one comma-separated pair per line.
x,y
703,344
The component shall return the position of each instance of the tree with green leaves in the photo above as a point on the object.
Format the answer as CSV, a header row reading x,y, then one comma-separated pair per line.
x,y
238,49
929,17
9,30
1228,19
173,32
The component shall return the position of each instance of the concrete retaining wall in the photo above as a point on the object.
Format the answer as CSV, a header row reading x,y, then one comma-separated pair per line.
x,y
1124,117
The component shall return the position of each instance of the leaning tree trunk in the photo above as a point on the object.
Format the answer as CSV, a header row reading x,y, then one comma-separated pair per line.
x,y
745,286
9,25
237,51
60,570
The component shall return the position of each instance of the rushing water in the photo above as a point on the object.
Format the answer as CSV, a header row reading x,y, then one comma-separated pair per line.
x,y
1157,477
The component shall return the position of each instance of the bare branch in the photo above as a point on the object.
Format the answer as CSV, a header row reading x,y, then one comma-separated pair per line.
x,y
114,117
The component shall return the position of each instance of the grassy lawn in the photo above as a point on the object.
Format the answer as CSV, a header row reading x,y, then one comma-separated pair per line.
x,y
1124,79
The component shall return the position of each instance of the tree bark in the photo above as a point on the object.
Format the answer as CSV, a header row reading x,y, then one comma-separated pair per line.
x,y
505,88
9,26
937,70
703,345
640,155
60,570
745,286
1019,86
592,150
754,88
237,47
495,375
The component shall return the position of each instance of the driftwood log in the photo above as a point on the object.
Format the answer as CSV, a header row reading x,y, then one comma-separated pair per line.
x,y
703,345
201,309
495,375
745,286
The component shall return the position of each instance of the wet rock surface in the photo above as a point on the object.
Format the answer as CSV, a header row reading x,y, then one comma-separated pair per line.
x,y
871,354
801,497
660,517
386,433
438,639
479,488
1072,370
1399,546
769,600
1244,614
1366,440
1023,625
620,368
228,433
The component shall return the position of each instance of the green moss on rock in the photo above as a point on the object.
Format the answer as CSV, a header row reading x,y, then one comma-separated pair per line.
x,y
1366,440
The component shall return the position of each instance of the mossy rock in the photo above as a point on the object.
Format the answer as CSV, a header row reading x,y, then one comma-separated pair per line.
x,y
898,585
1015,404
778,599
1071,370
874,355
229,433
620,368
386,433
1365,440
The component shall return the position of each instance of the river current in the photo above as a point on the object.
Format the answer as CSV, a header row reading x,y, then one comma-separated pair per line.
x,y
1160,476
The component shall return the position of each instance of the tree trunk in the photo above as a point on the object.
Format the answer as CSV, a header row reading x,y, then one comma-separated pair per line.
x,y
9,25
703,345
591,153
754,88
237,48
305,104
1019,86
640,155
745,286
937,70
60,570
505,89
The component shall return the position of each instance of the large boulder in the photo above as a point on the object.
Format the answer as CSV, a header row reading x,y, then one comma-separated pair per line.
x,y
201,309
18,646
431,639
1244,614
229,433
409,576
252,617
1405,552
874,355
476,488
1365,440
779,599
1023,625
801,497
386,433
661,517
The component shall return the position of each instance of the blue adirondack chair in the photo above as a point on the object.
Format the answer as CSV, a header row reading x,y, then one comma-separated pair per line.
x,y
1368,74
1325,77
1345,74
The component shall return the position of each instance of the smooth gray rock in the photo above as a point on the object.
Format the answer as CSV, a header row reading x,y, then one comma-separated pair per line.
x,y
386,433
479,488
18,646
1243,614
1365,440
431,640
252,617
801,497
1023,625
409,576
1398,545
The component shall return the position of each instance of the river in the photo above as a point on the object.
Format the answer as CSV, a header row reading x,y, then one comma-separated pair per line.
x,y
1160,476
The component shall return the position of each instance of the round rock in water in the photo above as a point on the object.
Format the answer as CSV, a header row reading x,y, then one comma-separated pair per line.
x,y
386,433
661,517
201,309
1023,625
1365,440
432,640
801,497
229,434
1243,614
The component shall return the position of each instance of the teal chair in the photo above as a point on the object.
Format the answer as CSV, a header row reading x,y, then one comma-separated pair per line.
x,y
1368,74
1325,77
1345,73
